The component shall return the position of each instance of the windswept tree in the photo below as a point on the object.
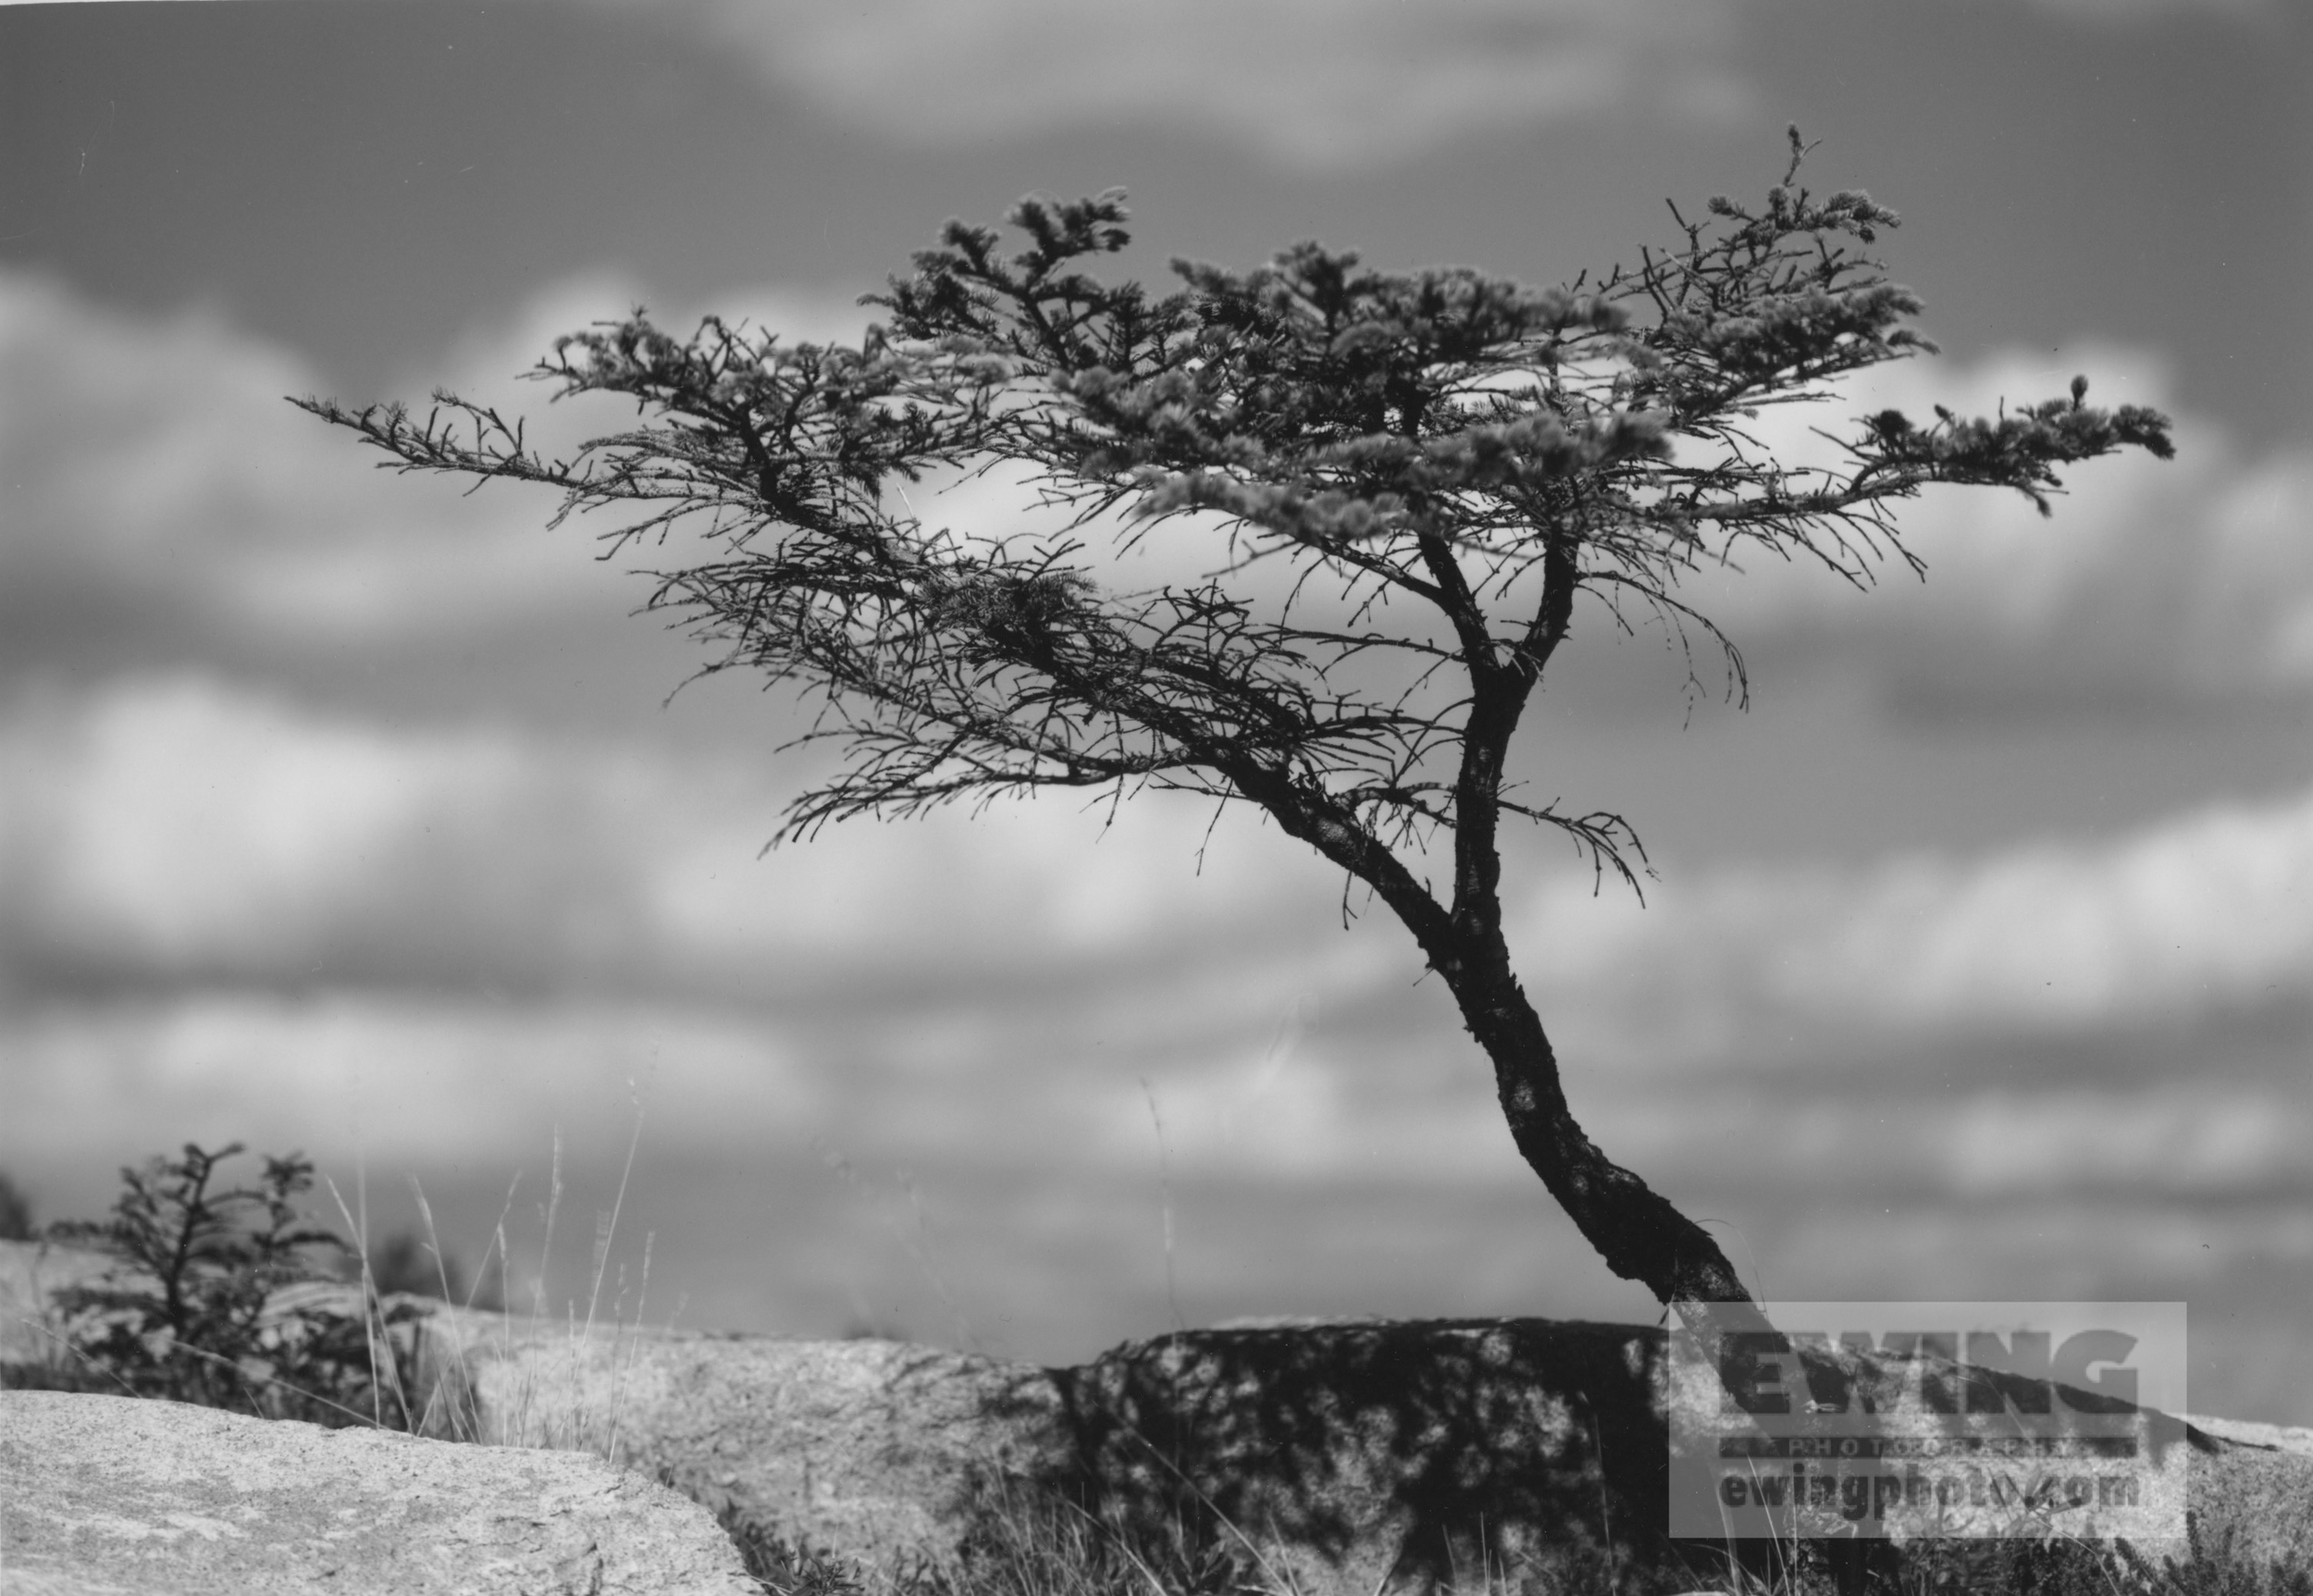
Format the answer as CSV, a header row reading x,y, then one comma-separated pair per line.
x,y
1409,487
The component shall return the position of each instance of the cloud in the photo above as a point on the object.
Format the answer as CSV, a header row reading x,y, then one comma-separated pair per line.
x,y
2204,912
166,505
1309,84
291,885
158,482
397,1076
486,361
185,828
153,463
1320,85
173,827
426,1075
2155,586
227,915
237,885
225,905
2204,1134
2188,581
180,825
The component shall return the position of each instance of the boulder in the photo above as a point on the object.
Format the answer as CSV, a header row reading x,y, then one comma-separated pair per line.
x,y
1423,1450
1345,1454
112,1494
1363,1453
876,1449
1342,1454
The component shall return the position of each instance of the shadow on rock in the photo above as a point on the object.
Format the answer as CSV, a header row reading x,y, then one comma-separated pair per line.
x,y
1427,1450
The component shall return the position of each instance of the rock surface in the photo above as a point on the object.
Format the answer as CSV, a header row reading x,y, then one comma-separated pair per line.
x,y
101,1494
1350,1452
874,1449
1375,1451
1384,1447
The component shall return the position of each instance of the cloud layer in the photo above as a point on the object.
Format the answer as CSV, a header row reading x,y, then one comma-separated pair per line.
x,y
2202,912
185,838
2188,580
161,489
1312,85
188,826
237,903
163,499
1317,86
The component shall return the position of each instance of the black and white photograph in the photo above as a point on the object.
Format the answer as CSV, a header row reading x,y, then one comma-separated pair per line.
x,y
1058,797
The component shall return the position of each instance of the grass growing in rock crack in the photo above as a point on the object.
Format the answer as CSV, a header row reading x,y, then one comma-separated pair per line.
x,y
531,1414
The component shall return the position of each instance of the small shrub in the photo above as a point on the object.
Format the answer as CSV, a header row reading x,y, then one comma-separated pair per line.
x,y
197,1313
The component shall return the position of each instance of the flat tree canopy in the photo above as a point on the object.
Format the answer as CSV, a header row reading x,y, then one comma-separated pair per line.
x,y
1414,483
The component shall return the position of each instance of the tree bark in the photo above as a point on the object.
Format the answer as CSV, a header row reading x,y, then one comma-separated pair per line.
x,y
1635,1229
1641,1236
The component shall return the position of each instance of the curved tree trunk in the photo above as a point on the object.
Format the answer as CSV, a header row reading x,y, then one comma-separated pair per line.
x,y
1637,1231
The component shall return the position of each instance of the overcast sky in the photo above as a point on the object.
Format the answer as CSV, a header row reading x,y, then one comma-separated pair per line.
x,y
343,812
